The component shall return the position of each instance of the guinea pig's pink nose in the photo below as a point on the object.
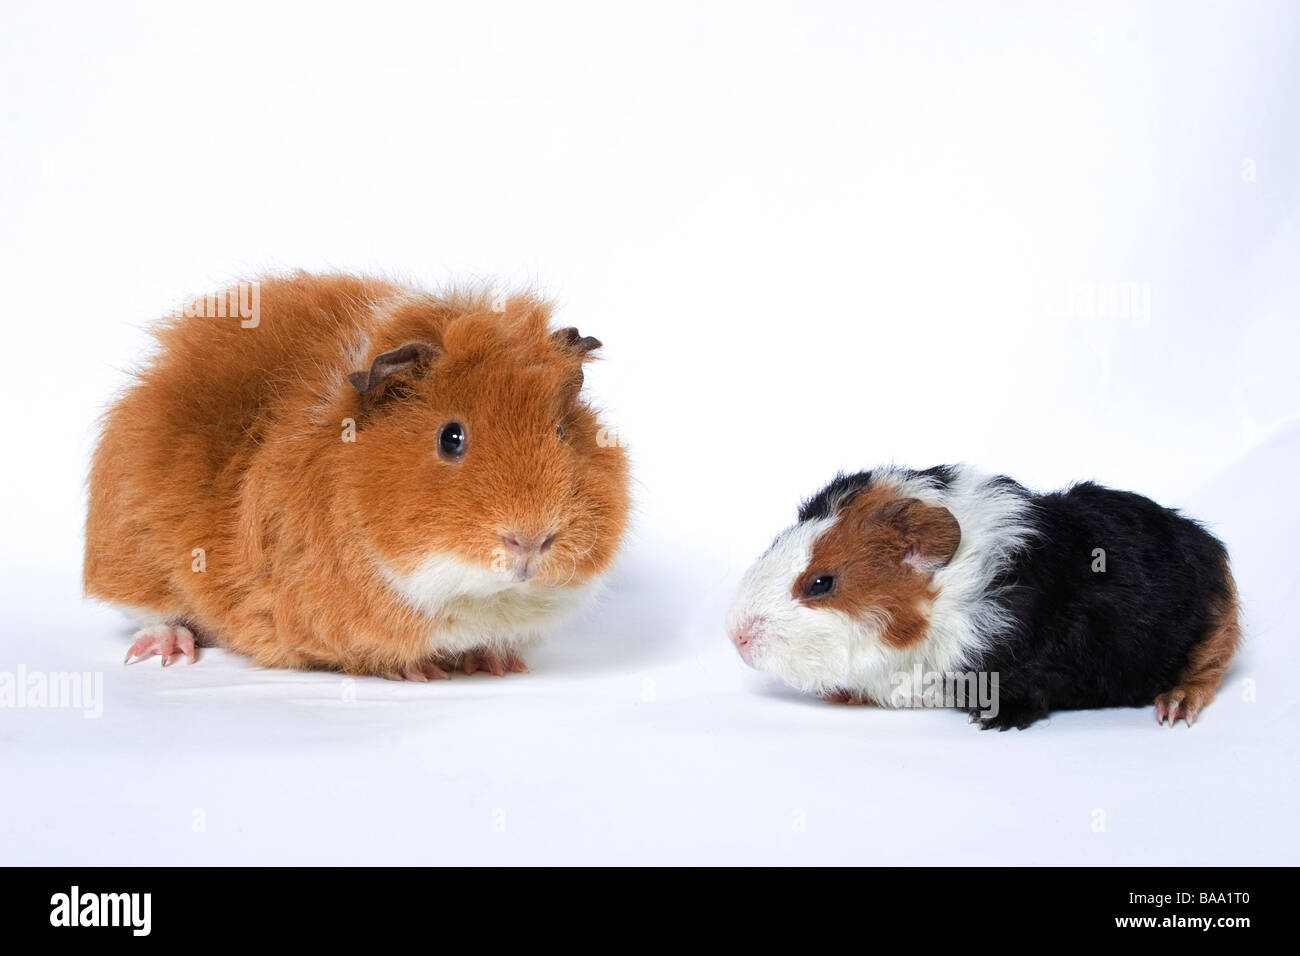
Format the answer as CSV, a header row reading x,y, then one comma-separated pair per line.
x,y
523,544
745,635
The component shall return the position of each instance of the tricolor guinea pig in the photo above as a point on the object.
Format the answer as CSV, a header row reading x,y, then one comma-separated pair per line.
x,y
911,588
362,477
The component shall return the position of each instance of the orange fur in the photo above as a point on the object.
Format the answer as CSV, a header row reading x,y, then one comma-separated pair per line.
x,y
1207,661
232,440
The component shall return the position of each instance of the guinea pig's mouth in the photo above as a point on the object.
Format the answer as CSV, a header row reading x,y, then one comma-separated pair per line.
x,y
512,574
520,558
523,572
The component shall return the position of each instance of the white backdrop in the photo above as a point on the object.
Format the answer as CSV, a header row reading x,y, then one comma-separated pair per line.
x,y
1058,241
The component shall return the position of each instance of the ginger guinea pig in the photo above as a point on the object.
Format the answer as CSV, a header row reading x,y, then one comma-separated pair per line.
x,y
355,475
948,587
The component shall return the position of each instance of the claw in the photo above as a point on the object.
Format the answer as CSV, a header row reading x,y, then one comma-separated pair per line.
x,y
1184,701
420,673
472,662
169,642
493,663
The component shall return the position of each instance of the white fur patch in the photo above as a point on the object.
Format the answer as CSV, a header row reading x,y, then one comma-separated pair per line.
x,y
819,650
479,607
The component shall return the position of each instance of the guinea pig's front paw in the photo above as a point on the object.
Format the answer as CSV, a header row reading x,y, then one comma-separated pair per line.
x,y
168,642
1008,717
847,697
495,663
421,672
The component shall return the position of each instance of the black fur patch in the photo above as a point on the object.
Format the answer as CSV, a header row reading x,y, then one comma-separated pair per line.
x,y
1117,637
844,487
824,503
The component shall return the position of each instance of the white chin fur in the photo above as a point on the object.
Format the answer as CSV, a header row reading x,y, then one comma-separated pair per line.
x,y
818,650
474,606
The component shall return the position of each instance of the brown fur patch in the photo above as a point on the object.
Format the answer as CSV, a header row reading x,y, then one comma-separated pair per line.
x,y
882,549
231,440
1208,661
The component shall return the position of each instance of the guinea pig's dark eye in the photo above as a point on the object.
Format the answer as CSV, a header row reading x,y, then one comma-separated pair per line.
x,y
820,586
451,441
559,430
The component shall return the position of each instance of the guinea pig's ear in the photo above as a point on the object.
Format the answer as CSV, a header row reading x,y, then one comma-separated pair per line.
x,y
409,362
571,340
929,533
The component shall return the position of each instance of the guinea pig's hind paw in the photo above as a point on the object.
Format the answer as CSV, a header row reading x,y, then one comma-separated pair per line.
x,y
168,642
493,663
1180,702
